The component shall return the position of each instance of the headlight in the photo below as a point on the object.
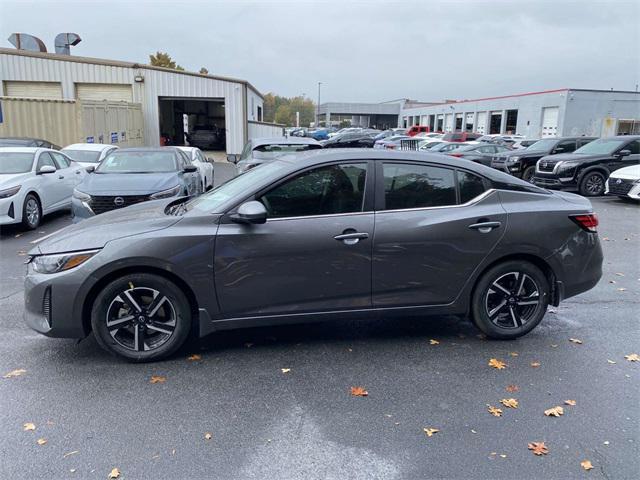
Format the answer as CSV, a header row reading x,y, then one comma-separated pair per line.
x,y
83,197
512,160
8,192
60,262
170,192
568,165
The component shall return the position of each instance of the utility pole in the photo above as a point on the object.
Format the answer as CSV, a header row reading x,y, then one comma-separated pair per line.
x,y
318,107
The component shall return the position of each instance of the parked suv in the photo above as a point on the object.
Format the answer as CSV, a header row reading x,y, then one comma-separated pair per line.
x,y
460,137
416,129
522,163
588,168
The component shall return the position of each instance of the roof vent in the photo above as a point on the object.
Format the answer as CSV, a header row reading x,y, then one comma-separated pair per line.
x,y
24,41
64,41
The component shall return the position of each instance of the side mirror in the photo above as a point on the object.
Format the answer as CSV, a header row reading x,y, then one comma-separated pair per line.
x,y
250,213
624,153
232,158
558,150
90,169
190,169
46,169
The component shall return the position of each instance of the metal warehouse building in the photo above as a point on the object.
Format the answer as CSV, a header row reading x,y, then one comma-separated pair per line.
x,y
169,99
549,113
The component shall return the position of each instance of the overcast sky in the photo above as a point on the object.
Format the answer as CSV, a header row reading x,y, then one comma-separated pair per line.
x,y
360,50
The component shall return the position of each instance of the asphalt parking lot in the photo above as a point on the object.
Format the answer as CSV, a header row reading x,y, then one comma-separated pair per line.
x,y
276,401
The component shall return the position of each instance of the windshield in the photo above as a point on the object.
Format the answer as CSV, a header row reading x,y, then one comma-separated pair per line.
x,y
11,162
138,162
214,201
602,146
86,156
542,145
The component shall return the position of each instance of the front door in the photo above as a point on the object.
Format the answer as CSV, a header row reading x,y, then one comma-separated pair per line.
x,y
313,254
53,189
434,226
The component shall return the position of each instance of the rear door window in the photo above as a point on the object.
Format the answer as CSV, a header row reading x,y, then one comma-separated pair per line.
x,y
469,185
565,147
417,186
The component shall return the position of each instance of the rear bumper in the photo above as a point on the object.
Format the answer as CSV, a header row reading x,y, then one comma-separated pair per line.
x,y
581,267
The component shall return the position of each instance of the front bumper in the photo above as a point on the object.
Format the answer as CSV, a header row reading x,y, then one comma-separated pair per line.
x,y
10,210
80,210
554,183
623,188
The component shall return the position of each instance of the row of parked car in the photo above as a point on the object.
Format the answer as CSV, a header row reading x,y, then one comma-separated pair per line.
x,y
36,178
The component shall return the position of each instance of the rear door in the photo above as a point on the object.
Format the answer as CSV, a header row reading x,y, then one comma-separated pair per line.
x,y
433,227
313,253
69,172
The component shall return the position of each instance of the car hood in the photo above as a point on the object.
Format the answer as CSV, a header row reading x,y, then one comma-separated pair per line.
x,y
521,153
628,173
96,231
128,183
8,180
563,157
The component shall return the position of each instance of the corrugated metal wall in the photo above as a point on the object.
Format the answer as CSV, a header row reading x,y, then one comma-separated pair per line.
x,y
265,130
156,84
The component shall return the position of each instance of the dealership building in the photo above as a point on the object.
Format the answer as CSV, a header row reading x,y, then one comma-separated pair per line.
x,y
170,101
561,112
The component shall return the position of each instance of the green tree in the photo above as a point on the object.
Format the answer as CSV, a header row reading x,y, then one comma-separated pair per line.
x,y
283,110
162,59
204,71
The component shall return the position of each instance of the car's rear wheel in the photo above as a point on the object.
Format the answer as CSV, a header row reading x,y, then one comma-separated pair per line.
x,y
141,317
592,184
31,212
510,299
528,174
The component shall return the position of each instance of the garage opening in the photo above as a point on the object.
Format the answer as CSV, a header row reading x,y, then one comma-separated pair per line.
x,y
512,122
495,123
196,122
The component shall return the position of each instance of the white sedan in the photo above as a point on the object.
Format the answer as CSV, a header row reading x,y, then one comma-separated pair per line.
x,y
624,183
87,154
35,182
204,166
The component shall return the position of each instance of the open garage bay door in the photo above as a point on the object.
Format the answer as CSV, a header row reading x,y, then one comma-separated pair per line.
x,y
49,90
197,122
104,91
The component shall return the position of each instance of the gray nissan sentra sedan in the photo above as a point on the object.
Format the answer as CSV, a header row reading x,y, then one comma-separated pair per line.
x,y
330,234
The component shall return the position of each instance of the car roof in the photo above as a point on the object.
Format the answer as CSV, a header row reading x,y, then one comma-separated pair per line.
x,y
23,149
257,142
94,147
146,149
624,137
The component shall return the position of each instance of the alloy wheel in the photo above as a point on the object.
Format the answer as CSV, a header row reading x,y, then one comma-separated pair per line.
x,y
594,184
32,209
141,319
512,300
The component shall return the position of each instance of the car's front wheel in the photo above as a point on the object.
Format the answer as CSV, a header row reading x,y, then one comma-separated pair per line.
x,y
592,184
142,317
528,174
31,212
510,299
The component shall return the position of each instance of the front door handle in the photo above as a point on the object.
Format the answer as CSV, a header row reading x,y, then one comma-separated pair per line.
x,y
61,177
351,238
485,227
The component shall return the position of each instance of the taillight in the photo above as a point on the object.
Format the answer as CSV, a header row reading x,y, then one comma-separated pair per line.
x,y
588,222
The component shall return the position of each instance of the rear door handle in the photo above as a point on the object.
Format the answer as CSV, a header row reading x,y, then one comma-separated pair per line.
x,y
351,238
485,227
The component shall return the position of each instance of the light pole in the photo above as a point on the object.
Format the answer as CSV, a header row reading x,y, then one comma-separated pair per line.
x,y
318,107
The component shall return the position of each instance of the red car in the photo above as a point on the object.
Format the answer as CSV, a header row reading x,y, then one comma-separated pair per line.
x,y
460,137
416,129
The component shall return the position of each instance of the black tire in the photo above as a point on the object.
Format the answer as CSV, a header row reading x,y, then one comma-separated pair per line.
x,y
592,184
31,212
528,174
138,339
501,323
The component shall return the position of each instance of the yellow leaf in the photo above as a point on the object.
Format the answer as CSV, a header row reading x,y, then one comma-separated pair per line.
x,y
115,473
570,402
41,441
359,392
535,364
575,340
538,448
498,364
194,358
15,373
285,370
157,379
509,402
511,388
554,412
434,342
208,436
633,357
586,464
430,431
496,412
28,426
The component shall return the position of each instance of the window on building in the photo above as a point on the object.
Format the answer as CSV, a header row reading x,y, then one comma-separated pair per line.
x,y
458,123
259,113
511,122
417,186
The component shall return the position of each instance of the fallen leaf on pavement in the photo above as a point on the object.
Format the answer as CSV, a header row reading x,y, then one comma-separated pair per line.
x,y
496,412
248,344
620,274
157,379
535,364
586,464
498,364
208,436
538,448
554,412
194,358
575,340
622,289
513,354
570,402
15,373
554,345
70,453
430,431
359,392
22,253
509,402
633,357
512,388
611,362
285,370
434,342
28,426
41,441
115,473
